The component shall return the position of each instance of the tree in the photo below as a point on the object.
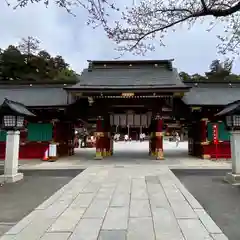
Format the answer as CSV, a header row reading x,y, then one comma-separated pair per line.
x,y
153,19
59,63
30,65
219,70
215,66
227,65
29,46
197,77
12,62
65,74
184,76
45,55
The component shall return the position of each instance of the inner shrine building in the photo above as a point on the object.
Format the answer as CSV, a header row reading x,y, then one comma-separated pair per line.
x,y
126,97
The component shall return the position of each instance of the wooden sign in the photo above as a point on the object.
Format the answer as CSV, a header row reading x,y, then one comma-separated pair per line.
x,y
52,150
127,94
215,139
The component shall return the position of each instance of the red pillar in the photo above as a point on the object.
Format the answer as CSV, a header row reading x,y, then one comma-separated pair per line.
x,y
159,138
107,128
152,141
203,139
203,124
111,144
99,138
150,145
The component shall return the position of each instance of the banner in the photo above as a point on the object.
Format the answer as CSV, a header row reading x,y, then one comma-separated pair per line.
x,y
215,133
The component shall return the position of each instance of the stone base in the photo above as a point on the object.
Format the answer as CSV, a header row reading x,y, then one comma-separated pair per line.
x,y
232,178
98,157
11,178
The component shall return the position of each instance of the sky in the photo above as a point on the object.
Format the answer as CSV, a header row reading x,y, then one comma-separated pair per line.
x,y
63,34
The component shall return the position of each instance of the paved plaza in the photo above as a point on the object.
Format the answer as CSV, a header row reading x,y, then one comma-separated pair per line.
x,y
121,199
130,153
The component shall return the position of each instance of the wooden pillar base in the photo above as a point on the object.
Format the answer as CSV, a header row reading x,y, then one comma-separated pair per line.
x,y
104,152
153,153
159,154
53,159
206,156
99,155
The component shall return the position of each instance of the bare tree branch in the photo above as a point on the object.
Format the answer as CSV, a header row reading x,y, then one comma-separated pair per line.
x,y
204,5
152,19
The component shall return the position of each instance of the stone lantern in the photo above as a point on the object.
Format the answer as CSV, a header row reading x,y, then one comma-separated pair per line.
x,y
12,116
231,114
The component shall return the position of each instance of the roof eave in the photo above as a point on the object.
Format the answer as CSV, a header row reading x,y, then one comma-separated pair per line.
x,y
132,61
120,89
203,105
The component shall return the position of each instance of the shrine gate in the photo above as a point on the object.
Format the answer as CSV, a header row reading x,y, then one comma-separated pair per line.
x,y
122,96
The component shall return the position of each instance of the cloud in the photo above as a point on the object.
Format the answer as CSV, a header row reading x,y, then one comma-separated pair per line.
x,y
61,33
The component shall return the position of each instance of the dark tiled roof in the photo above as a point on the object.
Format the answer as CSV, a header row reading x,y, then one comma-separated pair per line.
x,y
129,78
34,96
230,109
127,62
132,61
212,95
15,107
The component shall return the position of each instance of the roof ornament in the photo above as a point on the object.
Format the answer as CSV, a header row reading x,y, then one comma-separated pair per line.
x,y
90,101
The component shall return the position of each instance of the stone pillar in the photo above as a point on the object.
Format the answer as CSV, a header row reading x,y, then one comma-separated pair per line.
x,y
99,138
11,173
234,176
159,138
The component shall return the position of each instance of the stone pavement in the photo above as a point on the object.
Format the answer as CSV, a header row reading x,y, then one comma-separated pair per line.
x,y
125,202
128,154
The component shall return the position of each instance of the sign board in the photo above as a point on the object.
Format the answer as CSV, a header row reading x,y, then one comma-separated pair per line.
x,y
215,133
52,150
215,139
127,94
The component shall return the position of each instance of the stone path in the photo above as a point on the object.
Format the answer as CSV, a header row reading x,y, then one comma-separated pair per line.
x,y
127,202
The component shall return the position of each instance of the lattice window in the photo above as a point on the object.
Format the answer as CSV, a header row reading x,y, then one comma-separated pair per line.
x,y
236,121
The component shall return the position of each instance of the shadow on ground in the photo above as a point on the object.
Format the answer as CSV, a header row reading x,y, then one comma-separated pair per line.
x,y
19,199
219,199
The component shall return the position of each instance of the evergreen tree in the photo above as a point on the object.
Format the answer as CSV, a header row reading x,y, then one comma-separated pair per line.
x,y
26,62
